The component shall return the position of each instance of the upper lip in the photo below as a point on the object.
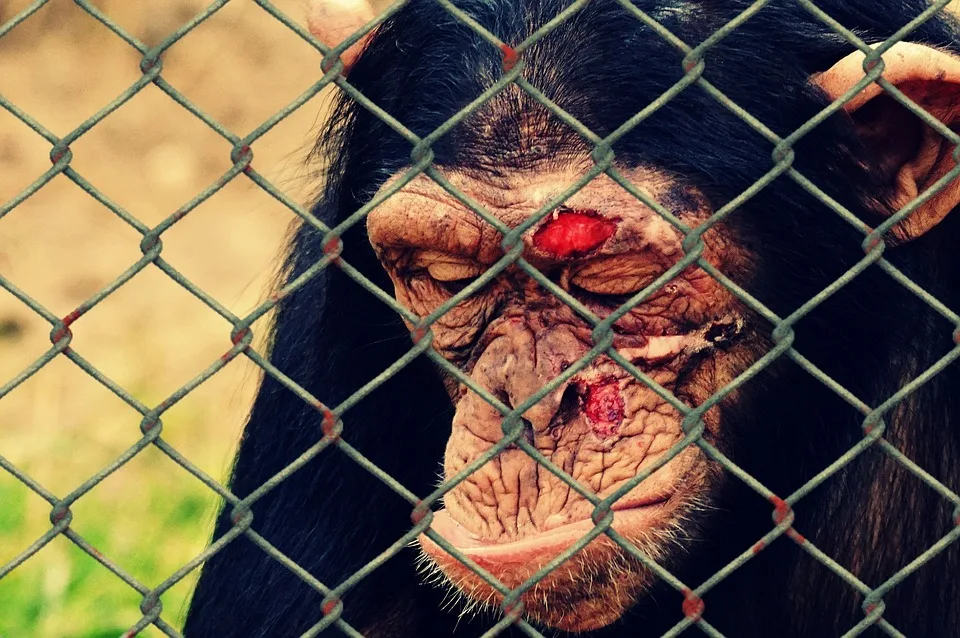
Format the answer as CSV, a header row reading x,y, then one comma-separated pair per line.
x,y
536,546
620,505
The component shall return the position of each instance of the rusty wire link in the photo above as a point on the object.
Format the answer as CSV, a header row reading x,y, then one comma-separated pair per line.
x,y
336,426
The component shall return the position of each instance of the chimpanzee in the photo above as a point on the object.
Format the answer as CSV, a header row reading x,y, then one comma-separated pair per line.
x,y
816,355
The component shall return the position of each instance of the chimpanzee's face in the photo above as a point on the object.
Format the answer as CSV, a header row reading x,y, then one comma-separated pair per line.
x,y
601,426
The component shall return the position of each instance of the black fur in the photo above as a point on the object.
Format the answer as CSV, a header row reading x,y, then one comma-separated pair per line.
x,y
602,66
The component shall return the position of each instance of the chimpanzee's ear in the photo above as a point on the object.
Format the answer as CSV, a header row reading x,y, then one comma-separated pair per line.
x,y
912,156
333,21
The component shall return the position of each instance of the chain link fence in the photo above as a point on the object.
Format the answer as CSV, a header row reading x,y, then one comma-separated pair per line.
x,y
336,434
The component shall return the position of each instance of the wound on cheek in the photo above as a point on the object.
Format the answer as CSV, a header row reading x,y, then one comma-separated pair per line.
x,y
572,232
604,408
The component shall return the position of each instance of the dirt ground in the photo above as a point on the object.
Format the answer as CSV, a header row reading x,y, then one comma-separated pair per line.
x,y
149,157
151,336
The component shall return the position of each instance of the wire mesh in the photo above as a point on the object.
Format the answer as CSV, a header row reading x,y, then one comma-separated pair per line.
x,y
693,424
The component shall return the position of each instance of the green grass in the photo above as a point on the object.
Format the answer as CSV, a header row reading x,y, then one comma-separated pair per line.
x,y
61,592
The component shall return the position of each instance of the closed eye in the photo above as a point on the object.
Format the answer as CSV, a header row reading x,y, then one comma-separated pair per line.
x,y
621,276
453,286
453,272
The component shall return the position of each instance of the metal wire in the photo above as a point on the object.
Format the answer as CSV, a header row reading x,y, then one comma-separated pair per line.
x,y
693,426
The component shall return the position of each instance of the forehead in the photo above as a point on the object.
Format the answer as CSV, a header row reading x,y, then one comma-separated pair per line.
x,y
423,214
512,191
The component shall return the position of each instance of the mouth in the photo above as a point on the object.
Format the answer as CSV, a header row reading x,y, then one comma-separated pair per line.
x,y
628,516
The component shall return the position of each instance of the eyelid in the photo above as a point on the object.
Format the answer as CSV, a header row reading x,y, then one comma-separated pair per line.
x,y
447,267
622,275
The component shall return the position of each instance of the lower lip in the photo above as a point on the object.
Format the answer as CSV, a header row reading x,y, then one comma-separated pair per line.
x,y
540,547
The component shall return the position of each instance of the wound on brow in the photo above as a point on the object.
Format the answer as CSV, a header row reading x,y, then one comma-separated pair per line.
x,y
572,232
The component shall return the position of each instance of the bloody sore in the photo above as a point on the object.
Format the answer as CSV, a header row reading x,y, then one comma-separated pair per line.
x,y
573,232
604,407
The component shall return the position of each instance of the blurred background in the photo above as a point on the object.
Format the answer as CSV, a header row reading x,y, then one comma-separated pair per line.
x,y
151,336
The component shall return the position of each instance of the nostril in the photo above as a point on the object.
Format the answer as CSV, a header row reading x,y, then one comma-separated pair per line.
x,y
527,434
567,410
527,430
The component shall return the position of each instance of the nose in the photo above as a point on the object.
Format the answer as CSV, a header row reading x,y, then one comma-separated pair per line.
x,y
515,367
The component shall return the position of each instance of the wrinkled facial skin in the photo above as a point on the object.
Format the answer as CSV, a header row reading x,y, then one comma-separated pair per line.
x,y
602,426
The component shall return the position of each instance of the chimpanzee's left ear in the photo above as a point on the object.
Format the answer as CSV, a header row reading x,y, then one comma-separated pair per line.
x,y
911,155
333,21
